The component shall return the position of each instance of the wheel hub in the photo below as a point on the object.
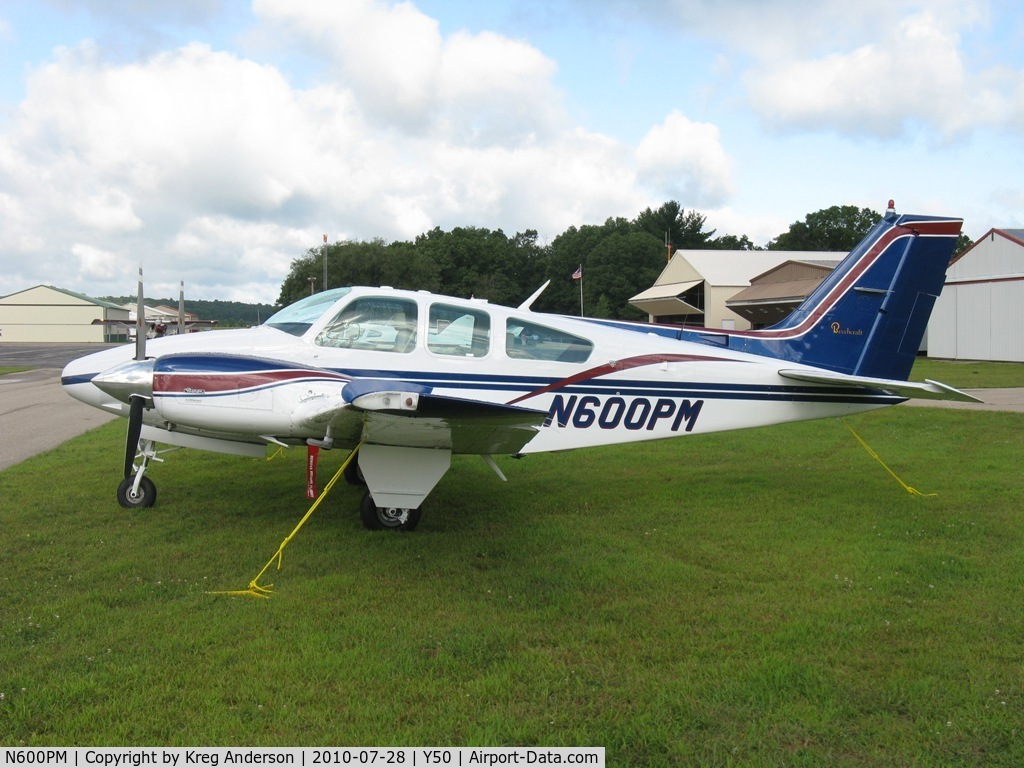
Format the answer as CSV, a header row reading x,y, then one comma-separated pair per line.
x,y
392,516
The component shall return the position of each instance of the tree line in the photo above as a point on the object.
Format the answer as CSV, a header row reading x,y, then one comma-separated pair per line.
x,y
619,258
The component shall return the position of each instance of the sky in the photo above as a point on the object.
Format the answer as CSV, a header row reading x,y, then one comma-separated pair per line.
x,y
215,141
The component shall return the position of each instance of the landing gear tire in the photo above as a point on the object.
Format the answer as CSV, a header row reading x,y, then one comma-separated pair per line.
x,y
146,496
398,519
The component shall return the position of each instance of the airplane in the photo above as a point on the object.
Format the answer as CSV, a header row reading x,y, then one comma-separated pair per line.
x,y
410,378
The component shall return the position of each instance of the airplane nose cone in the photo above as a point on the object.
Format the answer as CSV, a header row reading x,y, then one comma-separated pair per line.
x,y
121,382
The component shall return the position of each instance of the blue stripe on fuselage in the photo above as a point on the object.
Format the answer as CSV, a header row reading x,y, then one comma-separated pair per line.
x,y
517,385
635,388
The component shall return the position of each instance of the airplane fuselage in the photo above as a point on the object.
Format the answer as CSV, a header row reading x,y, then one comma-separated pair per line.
x,y
412,378
615,386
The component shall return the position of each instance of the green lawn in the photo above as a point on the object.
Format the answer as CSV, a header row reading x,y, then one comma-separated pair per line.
x,y
768,597
969,374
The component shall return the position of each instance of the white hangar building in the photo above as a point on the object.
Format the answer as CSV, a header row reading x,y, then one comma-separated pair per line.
x,y
980,313
48,314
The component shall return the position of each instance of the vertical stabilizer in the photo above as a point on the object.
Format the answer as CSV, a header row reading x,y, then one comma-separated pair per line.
x,y
868,317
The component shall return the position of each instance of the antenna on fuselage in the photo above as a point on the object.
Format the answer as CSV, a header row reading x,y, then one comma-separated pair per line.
x,y
526,304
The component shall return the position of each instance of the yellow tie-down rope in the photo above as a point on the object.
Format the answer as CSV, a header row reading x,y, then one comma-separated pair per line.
x,y
907,488
255,590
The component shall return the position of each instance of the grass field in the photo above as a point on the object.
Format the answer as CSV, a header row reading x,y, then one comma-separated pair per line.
x,y
969,374
769,597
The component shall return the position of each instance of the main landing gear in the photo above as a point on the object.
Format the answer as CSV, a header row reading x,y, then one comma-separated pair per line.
x,y
396,518
137,491
376,518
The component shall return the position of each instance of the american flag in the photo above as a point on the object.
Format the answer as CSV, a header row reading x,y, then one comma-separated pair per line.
x,y
578,274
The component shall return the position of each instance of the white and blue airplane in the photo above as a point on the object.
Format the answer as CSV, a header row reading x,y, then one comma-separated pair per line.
x,y
413,377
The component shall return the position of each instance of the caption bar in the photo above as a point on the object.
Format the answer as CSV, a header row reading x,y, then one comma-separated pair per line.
x,y
180,757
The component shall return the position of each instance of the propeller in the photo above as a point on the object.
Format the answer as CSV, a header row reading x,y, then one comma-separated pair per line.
x,y
181,308
131,382
140,323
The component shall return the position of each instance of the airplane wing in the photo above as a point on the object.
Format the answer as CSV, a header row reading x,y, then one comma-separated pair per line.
x,y
403,414
928,389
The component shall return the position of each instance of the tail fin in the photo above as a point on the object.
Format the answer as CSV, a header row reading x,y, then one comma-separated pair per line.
x,y
869,315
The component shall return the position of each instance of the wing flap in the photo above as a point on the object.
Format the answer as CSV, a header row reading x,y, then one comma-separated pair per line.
x,y
928,389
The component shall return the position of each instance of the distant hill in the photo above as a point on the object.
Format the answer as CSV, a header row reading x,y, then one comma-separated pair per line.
x,y
228,314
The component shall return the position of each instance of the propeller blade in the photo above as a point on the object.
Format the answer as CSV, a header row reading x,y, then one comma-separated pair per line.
x,y
140,323
181,308
131,443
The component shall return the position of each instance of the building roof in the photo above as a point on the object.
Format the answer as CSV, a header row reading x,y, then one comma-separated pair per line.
x,y
665,291
733,268
1014,235
688,268
740,267
662,300
786,291
790,282
66,292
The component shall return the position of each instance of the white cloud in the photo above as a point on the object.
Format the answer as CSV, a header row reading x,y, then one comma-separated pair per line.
x,y
758,227
883,70
497,90
94,263
880,69
215,168
388,54
109,210
480,87
914,73
685,159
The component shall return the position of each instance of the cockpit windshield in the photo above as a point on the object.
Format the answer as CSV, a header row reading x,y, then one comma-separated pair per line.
x,y
298,317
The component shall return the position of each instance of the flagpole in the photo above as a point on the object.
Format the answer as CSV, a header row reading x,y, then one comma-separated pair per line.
x,y
581,293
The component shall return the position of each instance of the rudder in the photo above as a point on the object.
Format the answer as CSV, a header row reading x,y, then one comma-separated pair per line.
x,y
867,318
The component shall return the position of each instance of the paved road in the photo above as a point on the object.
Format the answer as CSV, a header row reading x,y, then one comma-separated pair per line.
x,y
1010,399
36,415
44,355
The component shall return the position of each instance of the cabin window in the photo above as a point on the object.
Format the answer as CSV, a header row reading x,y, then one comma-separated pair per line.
x,y
529,341
458,331
372,324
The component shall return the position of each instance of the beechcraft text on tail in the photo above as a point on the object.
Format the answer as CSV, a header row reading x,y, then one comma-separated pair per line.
x,y
413,377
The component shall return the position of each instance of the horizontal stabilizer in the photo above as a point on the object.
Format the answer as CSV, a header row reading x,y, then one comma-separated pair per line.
x,y
928,389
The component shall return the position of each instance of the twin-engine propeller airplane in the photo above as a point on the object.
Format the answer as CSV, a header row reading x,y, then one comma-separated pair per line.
x,y
415,377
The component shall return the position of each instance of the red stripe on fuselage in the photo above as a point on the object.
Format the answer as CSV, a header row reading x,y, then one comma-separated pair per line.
x,y
224,383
